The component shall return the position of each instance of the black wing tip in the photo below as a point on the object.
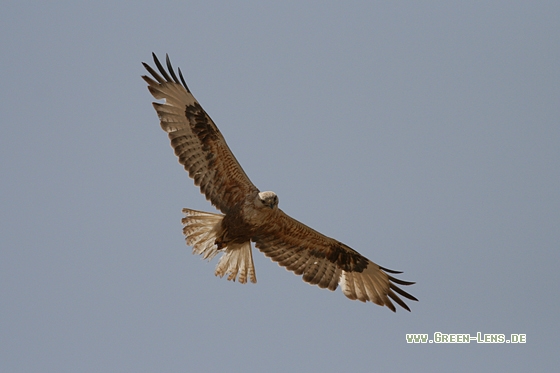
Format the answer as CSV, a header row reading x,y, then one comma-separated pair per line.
x,y
400,282
183,80
398,300
393,286
390,270
170,68
169,74
403,293
404,306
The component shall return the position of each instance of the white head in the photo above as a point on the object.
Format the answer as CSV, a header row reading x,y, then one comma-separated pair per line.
x,y
267,199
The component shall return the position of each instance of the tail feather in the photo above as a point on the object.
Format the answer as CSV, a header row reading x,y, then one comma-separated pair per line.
x,y
238,259
201,230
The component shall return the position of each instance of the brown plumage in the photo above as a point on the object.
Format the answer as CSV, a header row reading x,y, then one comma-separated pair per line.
x,y
251,215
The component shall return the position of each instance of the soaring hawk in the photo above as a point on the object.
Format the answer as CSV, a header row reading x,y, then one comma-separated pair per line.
x,y
252,215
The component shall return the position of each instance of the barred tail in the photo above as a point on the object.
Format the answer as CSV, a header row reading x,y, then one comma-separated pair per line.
x,y
201,230
238,258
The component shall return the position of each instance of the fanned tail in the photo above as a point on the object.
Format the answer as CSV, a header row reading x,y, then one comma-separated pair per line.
x,y
201,230
238,259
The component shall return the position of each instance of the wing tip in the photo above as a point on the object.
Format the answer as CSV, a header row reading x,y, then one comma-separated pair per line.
x,y
168,75
376,286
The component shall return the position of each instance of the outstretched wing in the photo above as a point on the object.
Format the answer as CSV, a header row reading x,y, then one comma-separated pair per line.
x,y
197,142
326,262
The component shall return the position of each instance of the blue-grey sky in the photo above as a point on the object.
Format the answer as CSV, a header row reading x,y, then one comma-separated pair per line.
x,y
425,135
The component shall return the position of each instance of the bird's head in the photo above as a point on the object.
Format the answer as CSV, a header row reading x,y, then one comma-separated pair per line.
x,y
267,199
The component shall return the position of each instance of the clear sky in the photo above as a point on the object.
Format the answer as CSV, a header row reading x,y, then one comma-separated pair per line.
x,y
425,135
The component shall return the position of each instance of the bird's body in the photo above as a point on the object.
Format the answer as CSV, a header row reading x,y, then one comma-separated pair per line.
x,y
250,215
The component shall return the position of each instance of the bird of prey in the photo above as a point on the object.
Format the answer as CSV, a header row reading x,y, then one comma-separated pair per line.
x,y
250,215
